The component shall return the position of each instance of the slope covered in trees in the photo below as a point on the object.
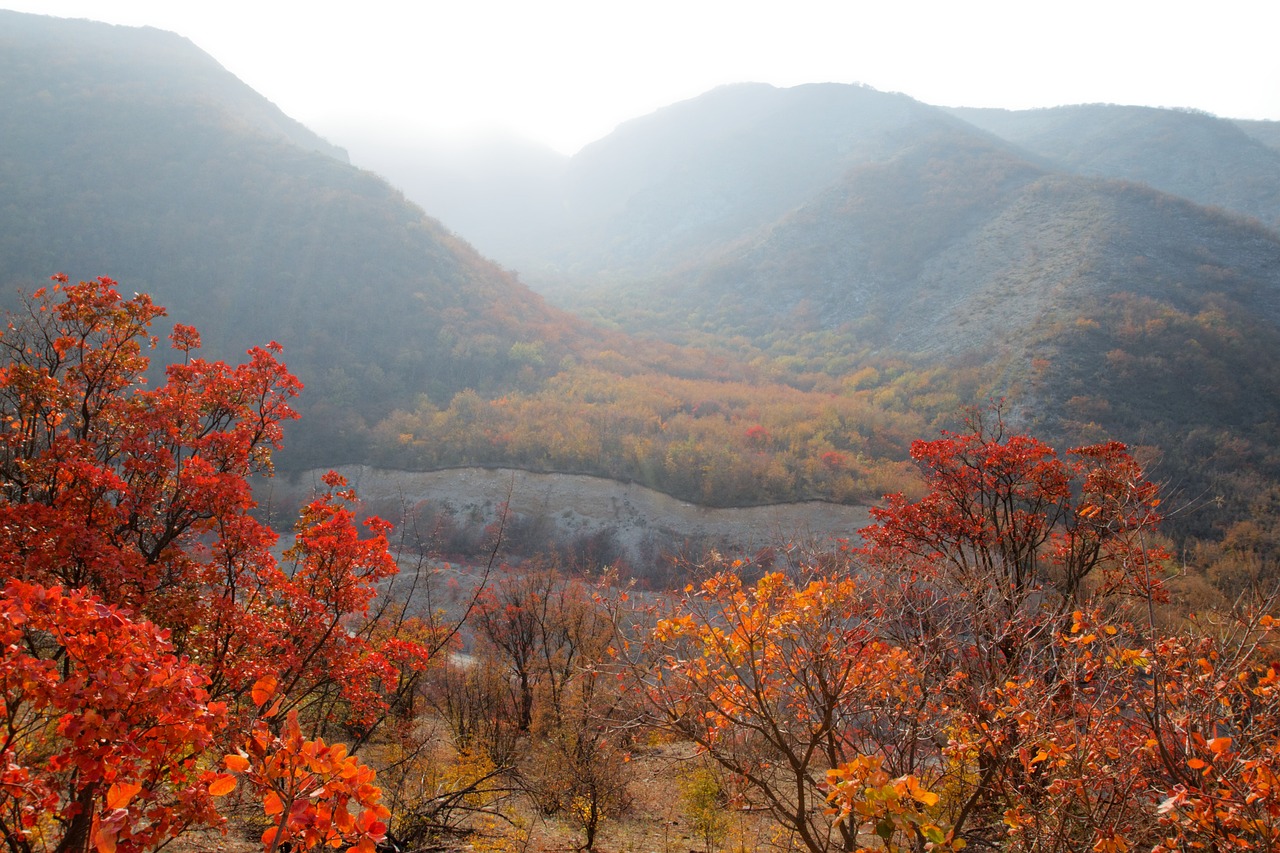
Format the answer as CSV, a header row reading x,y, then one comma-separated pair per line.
x,y
415,351
661,188
853,267
907,237
1208,160
138,154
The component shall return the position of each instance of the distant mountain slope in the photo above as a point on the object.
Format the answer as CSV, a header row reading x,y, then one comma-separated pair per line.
x,y
661,188
130,153
1209,160
86,61
1101,309
1043,266
499,191
416,351
868,253
1266,132
952,247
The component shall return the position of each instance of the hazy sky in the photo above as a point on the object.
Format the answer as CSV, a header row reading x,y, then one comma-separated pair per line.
x,y
566,72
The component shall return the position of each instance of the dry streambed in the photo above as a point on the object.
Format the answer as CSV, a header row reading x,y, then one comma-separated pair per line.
x,y
640,520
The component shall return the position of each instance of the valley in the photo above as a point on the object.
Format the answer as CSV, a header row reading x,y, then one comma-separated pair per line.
x,y
755,296
809,469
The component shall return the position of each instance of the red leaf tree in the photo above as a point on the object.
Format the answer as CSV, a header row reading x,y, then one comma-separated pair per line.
x,y
984,579
144,602
104,727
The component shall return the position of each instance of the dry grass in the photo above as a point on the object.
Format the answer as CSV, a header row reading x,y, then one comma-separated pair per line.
x,y
657,820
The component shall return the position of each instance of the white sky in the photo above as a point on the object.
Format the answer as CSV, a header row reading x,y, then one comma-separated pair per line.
x,y
566,72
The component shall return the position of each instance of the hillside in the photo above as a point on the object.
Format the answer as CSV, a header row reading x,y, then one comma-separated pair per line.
x,y
138,157
787,285
1266,132
661,188
100,65
949,249
1208,160
590,515
889,249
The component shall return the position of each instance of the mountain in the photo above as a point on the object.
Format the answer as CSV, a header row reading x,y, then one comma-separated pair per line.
x,y
1111,272
658,189
135,156
661,188
130,153
854,267
86,63
955,246
1266,132
1195,155
1098,308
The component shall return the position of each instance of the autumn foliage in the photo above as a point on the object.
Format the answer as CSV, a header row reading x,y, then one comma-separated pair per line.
x,y
105,726
987,671
144,609
995,666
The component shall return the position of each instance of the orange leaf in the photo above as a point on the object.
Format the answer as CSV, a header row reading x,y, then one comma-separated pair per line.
x,y
236,763
104,839
263,689
275,708
223,785
271,803
119,794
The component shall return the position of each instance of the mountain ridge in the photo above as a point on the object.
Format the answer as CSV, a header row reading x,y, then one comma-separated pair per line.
x,y
1208,160
190,186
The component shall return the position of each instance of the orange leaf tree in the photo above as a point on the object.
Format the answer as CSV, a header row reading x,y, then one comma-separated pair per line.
x,y
780,682
314,794
1213,704
126,509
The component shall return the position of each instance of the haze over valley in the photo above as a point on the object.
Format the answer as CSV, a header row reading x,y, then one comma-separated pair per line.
x,y
756,295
